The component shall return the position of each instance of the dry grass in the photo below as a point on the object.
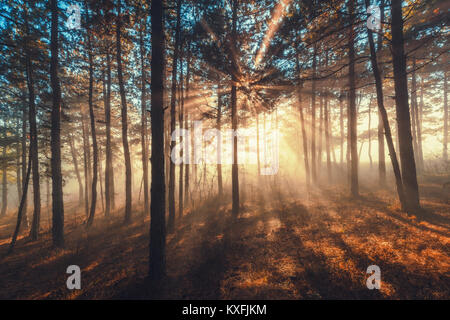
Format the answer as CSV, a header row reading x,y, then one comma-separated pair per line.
x,y
313,247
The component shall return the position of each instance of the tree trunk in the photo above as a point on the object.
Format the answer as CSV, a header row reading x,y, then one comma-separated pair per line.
x,y
109,183
144,145
4,183
445,140
321,126
370,134
381,149
171,222
313,118
18,172
258,151
35,225
383,115
93,132
180,119
305,140
327,135
24,161
219,141
186,125
124,114
414,114
352,121
381,152
419,110
157,204
77,171
194,166
403,117
100,178
234,120
57,186
341,123
86,161
21,207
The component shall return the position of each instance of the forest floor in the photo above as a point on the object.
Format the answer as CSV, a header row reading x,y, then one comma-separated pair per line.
x,y
315,246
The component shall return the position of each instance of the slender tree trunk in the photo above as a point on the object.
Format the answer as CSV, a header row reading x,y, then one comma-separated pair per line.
x,y
124,114
47,180
321,126
167,152
195,165
171,222
100,178
381,152
21,207
352,121
445,152
144,145
219,141
370,135
88,155
234,120
93,131
327,136
109,183
419,132
180,119
186,125
35,225
24,160
157,204
77,171
381,149
86,160
313,118
4,183
18,172
305,140
414,114
57,186
403,117
341,122
258,151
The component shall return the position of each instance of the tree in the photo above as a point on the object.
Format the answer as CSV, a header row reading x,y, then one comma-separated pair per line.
x,y
109,175
234,119
144,146
57,191
402,109
92,118
171,222
33,136
4,182
384,118
352,120
157,205
445,140
124,115
381,152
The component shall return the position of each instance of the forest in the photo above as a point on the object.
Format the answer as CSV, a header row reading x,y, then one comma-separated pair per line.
x,y
224,149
